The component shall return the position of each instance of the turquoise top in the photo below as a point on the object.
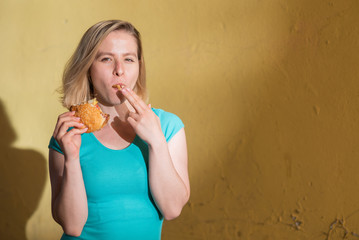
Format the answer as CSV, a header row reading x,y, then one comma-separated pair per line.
x,y
120,205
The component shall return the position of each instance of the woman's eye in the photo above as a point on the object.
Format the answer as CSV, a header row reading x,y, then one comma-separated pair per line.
x,y
105,59
129,60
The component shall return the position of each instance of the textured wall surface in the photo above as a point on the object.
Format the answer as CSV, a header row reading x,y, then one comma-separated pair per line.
x,y
268,91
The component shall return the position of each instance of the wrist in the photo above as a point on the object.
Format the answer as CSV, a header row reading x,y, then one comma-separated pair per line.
x,y
157,142
72,160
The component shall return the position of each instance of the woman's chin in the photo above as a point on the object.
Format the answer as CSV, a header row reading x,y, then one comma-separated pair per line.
x,y
121,99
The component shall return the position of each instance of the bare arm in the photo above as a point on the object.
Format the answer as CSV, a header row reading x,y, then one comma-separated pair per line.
x,y
68,199
168,175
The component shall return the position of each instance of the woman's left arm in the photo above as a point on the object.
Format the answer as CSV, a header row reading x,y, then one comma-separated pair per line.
x,y
168,171
168,175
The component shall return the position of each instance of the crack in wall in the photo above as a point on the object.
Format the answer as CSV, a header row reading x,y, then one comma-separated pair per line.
x,y
338,227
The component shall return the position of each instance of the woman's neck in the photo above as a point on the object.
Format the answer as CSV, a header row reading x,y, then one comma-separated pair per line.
x,y
119,112
117,123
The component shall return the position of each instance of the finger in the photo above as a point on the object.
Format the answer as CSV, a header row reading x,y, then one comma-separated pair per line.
x,y
132,122
77,131
135,116
65,128
67,122
134,100
69,113
131,97
69,136
67,116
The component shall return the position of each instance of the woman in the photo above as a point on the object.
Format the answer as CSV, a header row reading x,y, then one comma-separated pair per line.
x,y
121,181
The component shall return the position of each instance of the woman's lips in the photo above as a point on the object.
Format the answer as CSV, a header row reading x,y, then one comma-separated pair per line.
x,y
118,86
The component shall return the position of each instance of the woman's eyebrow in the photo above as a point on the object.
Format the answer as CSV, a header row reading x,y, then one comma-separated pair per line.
x,y
111,54
130,54
104,53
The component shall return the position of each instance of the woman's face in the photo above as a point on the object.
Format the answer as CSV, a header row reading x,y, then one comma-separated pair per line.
x,y
116,62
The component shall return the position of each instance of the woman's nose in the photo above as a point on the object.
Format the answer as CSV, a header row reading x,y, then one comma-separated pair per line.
x,y
118,71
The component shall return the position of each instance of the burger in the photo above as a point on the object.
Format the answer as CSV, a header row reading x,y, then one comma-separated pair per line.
x,y
90,115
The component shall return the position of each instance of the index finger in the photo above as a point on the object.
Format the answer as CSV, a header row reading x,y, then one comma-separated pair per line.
x,y
63,118
134,100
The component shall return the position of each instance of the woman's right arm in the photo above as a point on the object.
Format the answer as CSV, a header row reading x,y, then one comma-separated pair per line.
x,y
68,200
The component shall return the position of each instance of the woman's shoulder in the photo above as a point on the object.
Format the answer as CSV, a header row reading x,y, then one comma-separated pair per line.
x,y
170,122
164,114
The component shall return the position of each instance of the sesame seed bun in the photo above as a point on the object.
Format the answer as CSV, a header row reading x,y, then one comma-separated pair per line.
x,y
91,115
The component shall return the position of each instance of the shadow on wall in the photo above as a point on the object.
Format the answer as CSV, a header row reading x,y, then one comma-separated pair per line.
x,y
22,180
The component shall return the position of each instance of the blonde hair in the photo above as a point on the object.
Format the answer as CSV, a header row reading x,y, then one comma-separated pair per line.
x,y
76,81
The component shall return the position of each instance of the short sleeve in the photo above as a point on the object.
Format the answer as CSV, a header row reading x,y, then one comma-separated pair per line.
x,y
170,123
55,145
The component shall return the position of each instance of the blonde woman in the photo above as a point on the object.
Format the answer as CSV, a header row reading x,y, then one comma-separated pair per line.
x,y
119,182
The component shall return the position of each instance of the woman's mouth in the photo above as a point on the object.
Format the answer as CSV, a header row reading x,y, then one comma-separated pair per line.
x,y
119,86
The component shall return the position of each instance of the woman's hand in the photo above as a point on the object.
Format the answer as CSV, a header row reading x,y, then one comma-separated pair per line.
x,y
69,141
144,121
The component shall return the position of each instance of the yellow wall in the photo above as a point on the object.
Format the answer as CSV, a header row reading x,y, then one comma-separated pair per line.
x,y
268,90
